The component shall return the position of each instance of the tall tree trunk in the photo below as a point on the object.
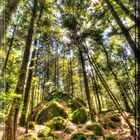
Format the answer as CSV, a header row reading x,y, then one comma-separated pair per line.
x,y
26,98
138,78
5,17
131,42
86,84
12,120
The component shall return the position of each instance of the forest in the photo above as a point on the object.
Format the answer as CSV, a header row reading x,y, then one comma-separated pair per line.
x,y
69,69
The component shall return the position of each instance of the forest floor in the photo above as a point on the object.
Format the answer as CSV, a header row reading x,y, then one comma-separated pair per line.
x,y
121,131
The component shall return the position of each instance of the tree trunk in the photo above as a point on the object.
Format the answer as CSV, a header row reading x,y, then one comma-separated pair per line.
x,y
6,16
26,100
86,84
12,120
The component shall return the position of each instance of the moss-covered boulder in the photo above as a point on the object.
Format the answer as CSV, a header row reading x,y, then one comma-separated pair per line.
x,y
78,136
96,128
79,116
27,137
57,123
54,109
47,134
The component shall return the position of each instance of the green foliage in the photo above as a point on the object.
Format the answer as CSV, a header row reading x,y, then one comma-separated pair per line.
x,y
32,125
57,123
69,21
79,116
78,136
96,128
47,133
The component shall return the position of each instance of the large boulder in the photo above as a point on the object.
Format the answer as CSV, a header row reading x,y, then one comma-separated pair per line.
x,y
79,116
56,104
54,109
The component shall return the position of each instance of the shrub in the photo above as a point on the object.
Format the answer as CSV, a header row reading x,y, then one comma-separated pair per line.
x,y
79,116
78,136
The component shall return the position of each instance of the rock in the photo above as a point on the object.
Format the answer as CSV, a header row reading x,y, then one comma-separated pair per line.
x,y
52,110
57,123
47,134
78,136
79,116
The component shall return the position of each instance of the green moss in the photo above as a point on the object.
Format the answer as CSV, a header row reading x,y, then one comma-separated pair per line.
x,y
79,116
32,125
78,136
47,133
57,123
96,128
110,138
54,109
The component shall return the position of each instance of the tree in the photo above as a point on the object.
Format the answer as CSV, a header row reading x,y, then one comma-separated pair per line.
x,y
12,120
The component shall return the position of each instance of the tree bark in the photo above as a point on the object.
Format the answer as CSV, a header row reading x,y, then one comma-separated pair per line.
x,y
26,100
86,84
